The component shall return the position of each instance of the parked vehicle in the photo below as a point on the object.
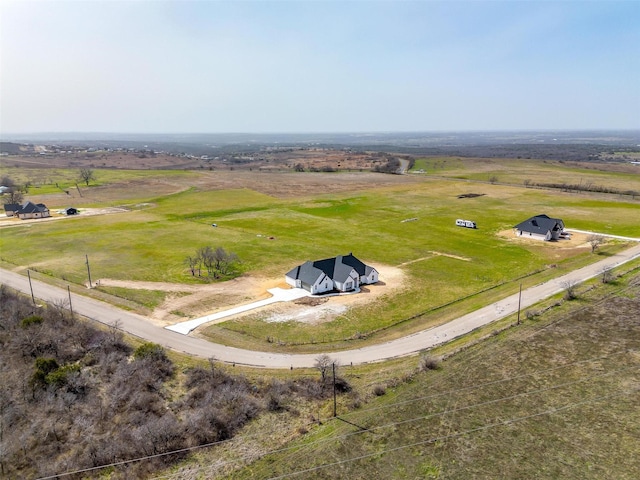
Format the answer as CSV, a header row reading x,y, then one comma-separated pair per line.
x,y
466,223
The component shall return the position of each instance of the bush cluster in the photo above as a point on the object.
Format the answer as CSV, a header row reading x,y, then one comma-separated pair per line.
x,y
76,396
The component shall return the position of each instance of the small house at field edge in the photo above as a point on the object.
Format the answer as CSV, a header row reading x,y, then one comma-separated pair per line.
x,y
27,210
343,273
541,227
10,209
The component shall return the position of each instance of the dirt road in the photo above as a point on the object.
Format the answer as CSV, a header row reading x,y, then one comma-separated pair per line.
x,y
141,327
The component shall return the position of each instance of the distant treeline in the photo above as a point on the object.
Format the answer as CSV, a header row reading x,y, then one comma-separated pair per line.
x,y
584,187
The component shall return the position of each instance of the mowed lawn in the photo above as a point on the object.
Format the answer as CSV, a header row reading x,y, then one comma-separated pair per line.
x,y
272,235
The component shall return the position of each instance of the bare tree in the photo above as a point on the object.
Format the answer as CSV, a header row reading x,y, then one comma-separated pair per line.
x,y
607,274
224,260
86,175
595,241
14,195
217,262
570,289
323,362
14,192
208,259
192,262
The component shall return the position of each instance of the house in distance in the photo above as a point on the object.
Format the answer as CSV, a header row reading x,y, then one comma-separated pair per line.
x,y
541,227
343,273
27,210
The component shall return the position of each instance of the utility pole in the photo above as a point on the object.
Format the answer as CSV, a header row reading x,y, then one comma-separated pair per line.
x,y
519,302
33,299
70,306
88,271
335,407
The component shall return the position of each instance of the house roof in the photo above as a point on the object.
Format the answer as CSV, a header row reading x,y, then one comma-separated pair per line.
x,y
540,224
352,261
30,207
307,273
336,268
11,207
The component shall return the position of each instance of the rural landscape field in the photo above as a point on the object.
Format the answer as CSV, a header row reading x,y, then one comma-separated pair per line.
x,y
361,240
137,228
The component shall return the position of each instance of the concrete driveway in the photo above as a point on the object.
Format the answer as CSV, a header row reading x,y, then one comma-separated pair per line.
x,y
278,295
412,344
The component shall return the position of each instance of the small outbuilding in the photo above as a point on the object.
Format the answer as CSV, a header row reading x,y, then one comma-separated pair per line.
x,y
541,227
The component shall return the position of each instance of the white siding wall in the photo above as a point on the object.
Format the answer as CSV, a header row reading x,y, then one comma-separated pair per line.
x,y
535,236
291,281
323,284
372,278
352,280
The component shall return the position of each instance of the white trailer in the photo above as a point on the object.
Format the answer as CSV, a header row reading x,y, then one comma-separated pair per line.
x,y
465,223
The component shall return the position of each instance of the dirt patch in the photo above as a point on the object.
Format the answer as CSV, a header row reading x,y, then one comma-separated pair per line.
x,y
85,212
193,301
575,240
471,195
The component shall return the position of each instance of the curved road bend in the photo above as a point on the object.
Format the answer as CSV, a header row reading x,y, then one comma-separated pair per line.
x,y
140,327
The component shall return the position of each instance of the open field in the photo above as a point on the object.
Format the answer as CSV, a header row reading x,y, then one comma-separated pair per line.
x,y
621,176
276,220
553,398
556,397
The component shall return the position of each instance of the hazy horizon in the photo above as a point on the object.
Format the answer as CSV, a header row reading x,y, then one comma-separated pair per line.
x,y
273,67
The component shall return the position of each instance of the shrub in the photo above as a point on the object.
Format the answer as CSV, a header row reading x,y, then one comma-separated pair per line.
x,y
31,320
44,366
427,362
149,350
60,376
379,390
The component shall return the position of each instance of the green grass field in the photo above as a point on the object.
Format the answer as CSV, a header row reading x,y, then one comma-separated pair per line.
x,y
553,398
271,235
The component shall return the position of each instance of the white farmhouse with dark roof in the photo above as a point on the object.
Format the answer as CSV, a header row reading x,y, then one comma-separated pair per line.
x,y
343,273
541,227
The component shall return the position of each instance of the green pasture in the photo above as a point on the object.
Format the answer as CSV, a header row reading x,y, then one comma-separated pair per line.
x,y
517,171
385,226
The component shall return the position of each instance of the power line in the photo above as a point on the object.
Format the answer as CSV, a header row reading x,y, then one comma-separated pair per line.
x,y
551,411
487,384
425,417
188,449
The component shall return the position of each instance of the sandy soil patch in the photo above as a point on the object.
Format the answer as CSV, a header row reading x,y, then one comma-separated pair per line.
x,y
85,212
576,240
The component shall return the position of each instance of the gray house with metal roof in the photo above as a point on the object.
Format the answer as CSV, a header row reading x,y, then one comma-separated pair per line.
x,y
343,273
540,227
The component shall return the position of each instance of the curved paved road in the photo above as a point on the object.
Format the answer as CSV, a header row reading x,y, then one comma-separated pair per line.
x,y
140,327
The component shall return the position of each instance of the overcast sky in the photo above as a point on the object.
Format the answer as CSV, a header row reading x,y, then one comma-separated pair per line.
x,y
318,66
